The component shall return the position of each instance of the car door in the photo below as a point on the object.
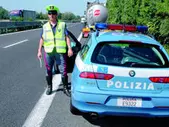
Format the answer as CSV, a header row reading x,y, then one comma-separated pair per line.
x,y
76,46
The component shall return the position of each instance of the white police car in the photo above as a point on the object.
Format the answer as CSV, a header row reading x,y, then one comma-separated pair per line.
x,y
121,73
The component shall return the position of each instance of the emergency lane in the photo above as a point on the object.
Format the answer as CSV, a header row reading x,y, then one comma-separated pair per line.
x,y
22,85
22,81
10,38
16,43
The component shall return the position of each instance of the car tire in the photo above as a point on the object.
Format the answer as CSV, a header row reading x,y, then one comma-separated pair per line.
x,y
74,110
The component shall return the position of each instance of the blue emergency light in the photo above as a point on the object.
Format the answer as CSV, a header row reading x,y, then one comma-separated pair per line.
x,y
142,29
100,26
131,28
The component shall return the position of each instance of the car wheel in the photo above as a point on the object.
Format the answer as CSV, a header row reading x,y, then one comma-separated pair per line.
x,y
74,110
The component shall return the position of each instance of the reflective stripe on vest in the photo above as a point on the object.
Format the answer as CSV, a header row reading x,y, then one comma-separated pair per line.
x,y
58,40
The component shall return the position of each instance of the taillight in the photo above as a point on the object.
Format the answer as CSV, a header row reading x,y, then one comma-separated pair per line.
x,y
94,75
159,79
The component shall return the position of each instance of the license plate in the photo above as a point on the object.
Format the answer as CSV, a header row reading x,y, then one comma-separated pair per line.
x,y
129,102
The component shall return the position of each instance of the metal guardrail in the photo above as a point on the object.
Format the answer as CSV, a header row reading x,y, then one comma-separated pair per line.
x,y
6,27
11,26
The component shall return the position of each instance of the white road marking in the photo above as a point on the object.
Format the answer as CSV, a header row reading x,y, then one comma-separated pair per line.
x,y
16,43
19,32
37,115
80,37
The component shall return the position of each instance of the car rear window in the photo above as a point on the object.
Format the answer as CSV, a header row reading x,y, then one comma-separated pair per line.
x,y
129,55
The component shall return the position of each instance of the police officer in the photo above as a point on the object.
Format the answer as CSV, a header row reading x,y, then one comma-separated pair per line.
x,y
57,48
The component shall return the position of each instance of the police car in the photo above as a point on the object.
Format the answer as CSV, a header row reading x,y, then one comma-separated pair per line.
x,y
121,71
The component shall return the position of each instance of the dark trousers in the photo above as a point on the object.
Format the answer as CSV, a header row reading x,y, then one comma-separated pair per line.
x,y
60,59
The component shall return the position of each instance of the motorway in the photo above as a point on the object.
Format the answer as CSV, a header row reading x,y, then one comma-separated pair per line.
x,y
23,102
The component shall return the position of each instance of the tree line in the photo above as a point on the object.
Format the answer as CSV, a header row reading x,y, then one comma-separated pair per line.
x,y
4,14
63,16
152,13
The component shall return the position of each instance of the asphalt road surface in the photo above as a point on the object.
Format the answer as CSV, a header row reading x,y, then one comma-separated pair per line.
x,y
23,102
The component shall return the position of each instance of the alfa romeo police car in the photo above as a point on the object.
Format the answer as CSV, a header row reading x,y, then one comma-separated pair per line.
x,y
121,71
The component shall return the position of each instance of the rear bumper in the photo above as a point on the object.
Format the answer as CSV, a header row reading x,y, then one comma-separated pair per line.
x,y
107,105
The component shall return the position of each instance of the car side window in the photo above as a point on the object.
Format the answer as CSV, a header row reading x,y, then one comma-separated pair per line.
x,y
85,48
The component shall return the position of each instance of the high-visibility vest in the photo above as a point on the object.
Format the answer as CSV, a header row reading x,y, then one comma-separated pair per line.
x,y
52,40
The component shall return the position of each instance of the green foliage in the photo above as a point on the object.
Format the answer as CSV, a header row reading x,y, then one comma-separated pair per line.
x,y
152,13
114,11
41,16
3,13
68,16
60,15
30,19
163,8
16,18
166,46
164,27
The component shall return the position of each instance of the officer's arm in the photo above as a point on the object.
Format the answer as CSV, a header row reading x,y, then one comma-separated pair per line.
x,y
68,42
67,38
40,42
40,45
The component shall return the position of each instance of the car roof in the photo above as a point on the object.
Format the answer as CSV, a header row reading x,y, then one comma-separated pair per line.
x,y
124,36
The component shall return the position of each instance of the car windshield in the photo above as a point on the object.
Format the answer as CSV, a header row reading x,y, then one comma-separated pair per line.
x,y
129,55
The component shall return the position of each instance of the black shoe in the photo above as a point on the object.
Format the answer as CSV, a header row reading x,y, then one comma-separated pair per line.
x,y
66,91
65,86
49,90
49,85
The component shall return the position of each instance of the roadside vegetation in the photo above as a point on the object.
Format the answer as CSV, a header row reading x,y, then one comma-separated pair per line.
x,y
152,13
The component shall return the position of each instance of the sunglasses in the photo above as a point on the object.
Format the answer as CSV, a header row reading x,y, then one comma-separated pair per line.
x,y
52,13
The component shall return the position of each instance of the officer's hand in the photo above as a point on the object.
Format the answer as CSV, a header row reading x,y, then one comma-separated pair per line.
x,y
39,55
70,52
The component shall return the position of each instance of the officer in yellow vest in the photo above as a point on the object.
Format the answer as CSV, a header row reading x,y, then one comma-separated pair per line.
x,y
57,47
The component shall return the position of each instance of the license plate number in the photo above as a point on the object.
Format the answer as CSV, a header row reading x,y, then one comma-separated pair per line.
x,y
129,102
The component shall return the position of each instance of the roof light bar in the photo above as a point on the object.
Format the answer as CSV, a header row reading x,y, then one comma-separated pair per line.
x,y
131,28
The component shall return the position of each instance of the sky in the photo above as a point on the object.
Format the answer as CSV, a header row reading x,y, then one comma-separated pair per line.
x,y
77,7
